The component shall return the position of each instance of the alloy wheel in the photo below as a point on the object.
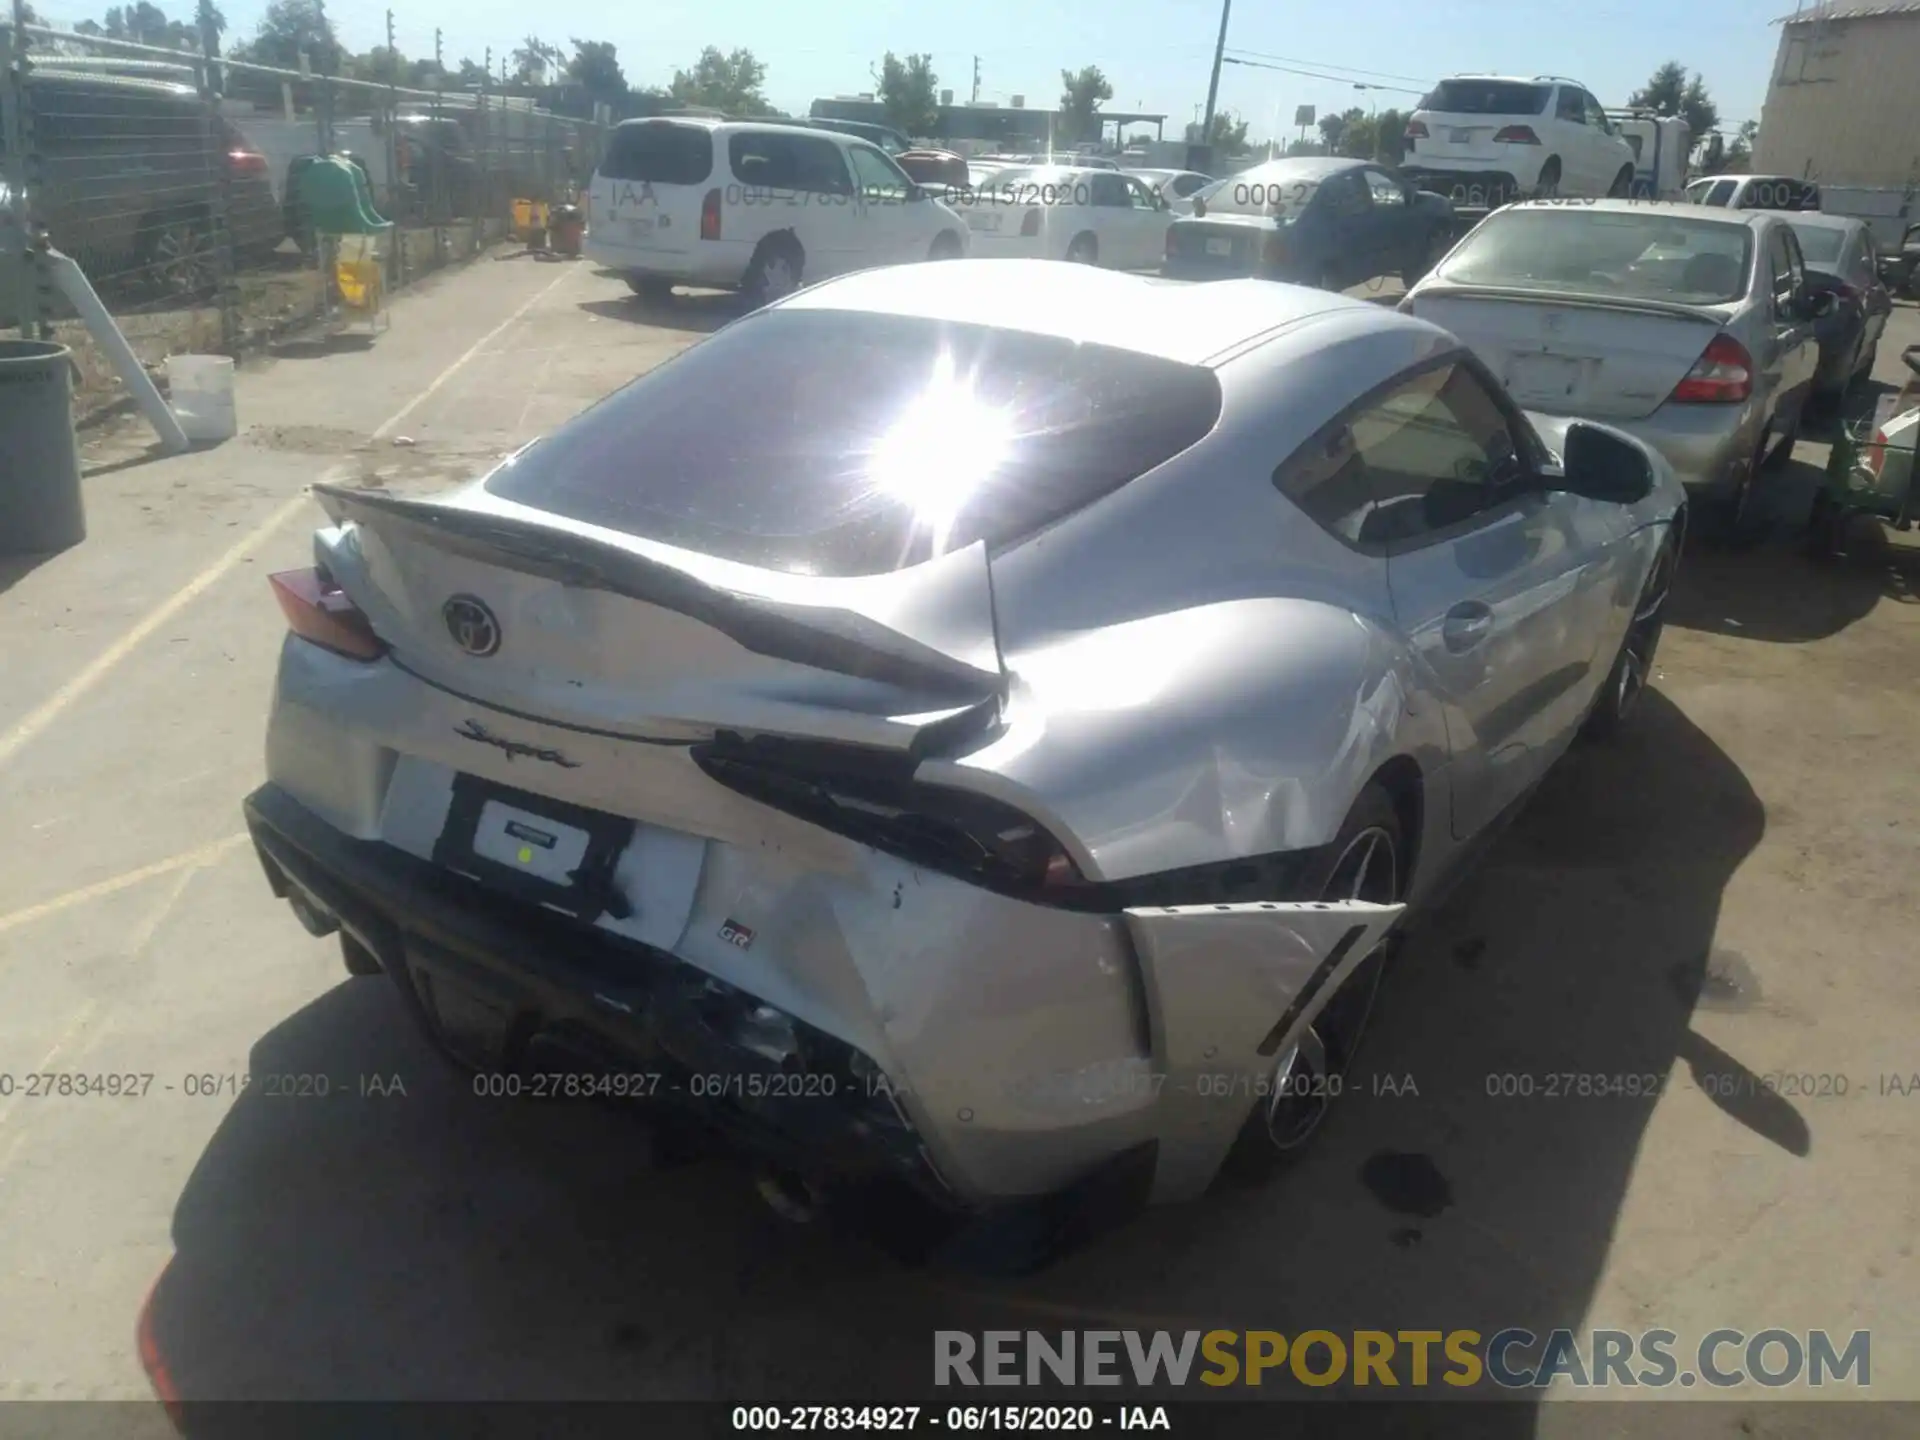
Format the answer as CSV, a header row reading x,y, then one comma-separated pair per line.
x,y
1310,1075
182,258
777,276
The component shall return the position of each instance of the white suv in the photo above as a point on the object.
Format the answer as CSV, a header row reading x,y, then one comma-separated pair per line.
x,y
755,207
1490,139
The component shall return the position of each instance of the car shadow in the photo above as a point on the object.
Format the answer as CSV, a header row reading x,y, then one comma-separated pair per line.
x,y
700,313
404,1238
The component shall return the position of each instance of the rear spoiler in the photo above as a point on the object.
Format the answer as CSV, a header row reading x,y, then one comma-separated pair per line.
x,y
825,637
1629,306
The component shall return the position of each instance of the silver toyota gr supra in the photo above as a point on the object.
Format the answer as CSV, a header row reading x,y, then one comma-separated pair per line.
x,y
973,727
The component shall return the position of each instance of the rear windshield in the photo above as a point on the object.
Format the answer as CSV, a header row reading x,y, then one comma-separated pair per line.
x,y
1626,254
843,443
1819,244
1277,190
659,151
1487,97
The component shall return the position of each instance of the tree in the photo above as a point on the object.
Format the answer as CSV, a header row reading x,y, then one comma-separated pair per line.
x,y
471,75
730,83
1080,103
1390,137
1229,134
1669,92
909,93
534,60
381,66
1333,131
290,28
595,68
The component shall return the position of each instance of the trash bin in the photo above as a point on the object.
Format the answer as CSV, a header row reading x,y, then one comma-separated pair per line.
x,y
39,457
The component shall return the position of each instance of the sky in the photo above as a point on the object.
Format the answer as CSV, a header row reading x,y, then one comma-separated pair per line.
x,y
1156,53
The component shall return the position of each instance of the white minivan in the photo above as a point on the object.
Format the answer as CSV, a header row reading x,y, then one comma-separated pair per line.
x,y
755,207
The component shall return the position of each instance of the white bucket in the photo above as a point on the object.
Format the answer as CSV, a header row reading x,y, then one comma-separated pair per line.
x,y
200,390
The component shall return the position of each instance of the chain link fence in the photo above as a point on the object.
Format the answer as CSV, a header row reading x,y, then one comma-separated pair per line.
x,y
173,178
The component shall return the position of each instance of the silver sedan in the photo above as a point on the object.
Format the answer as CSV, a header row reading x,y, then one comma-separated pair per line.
x,y
973,728
1690,328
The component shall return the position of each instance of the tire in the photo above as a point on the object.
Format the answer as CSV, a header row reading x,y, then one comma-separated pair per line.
x,y
774,272
1632,668
356,957
1728,518
1281,1126
651,288
946,246
1549,183
178,255
1085,250
1622,186
1781,455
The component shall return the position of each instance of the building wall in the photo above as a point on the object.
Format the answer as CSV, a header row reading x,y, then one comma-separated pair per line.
x,y
1843,103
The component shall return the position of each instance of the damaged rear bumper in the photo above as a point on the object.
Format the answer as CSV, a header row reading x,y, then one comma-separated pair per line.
x,y
1221,991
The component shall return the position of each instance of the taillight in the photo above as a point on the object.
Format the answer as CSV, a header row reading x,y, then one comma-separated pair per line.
x,y
246,162
1876,455
1515,135
710,216
1030,223
1416,130
875,800
1723,375
319,610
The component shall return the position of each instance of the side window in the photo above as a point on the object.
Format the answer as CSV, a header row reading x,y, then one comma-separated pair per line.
x,y
1424,457
1345,195
1185,185
1139,195
1781,264
1721,192
1596,115
818,167
763,161
1385,190
1109,189
1866,263
1796,264
1570,106
879,179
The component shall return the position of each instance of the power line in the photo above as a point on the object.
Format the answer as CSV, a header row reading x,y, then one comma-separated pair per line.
x,y
1327,65
1316,75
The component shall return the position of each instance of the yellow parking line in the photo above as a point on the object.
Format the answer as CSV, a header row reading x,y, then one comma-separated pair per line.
x,y
27,729
187,860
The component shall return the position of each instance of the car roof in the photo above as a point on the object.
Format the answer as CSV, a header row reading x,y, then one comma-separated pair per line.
x,y
1304,166
1191,324
1820,221
1678,209
1057,169
750,127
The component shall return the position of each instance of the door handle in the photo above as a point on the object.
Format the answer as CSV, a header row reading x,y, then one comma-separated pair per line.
x,y
1466,626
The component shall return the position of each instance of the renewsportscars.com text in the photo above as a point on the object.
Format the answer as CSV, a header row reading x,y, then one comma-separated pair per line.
x,y
1513,1358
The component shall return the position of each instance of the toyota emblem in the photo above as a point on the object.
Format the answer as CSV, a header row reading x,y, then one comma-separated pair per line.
x,y
471,624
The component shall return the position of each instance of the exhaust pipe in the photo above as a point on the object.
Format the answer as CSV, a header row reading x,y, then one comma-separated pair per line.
x,y
792,1197
317,922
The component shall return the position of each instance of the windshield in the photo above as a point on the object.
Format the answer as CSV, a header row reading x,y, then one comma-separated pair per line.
x,y
1819,244
1487,97
1617,253
1279,190
831,442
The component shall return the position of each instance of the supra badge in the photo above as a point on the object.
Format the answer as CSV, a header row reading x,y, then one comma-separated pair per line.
x,y
474,730
472,625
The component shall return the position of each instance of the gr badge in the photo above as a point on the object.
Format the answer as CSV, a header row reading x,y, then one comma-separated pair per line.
x,y
734,933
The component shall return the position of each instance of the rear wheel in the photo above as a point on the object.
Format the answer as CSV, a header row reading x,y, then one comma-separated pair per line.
x,y
1365,865
650,288
1085,250
180,260
1622,186
1730,517
1549,184
946,246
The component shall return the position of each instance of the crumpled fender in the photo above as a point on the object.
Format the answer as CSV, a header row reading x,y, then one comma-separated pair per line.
x,y
1229,988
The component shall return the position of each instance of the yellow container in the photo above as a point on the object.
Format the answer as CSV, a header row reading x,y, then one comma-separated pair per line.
x,y
529,218
359,283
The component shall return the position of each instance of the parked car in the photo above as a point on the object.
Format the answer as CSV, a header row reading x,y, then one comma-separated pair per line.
x,y
1661,146
755,207
1313,220
1176,187
132,182
437,166
1090,216
1690,329
1841,261
928,725
1755,192
1489,139
1897,267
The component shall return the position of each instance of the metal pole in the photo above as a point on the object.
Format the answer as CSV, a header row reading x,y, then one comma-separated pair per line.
x,y
226,242
395,275
1213,83
21,173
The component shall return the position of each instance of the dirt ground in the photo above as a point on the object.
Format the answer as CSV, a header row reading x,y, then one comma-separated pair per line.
x,y
1724,899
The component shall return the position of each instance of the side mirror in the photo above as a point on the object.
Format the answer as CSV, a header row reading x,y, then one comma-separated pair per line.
x,y
1600,465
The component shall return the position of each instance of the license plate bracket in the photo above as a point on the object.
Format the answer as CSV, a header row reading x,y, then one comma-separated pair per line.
x,y
1460,137
534,848
1543,377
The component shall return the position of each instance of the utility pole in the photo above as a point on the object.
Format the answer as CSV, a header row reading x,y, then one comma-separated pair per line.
x,y
976,80
438,63
1213,84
